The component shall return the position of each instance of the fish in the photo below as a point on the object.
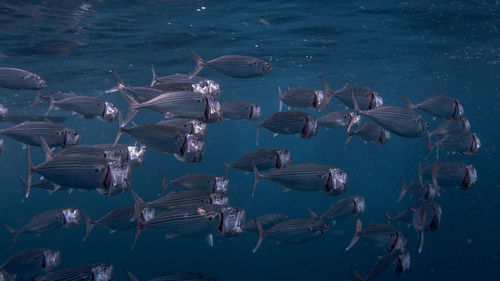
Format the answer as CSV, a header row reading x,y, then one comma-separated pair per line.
x,y
32,260
206,182
380,235
232,65
186,197
31,132
439,106
182,276
418,190
44,184
451,127
398,120
266,221
452,174
57,96
338,119
305,97
186,82
130,154
405,216
1,147
96,272
401,260
17,119
189,126
426,218
48,221
264,159
293,231
18,79
4,276
366,98
306,177
87,107
346,207
240,110
3,111
291,122
466,143
178,104
141,94
370,132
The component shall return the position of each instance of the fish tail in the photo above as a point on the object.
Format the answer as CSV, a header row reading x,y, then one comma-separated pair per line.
x,y
89,225
227,166
355,275
257,134
137,213
312,213
164,181
280,98
13,233
404,188
131,276
421,246
356,236
357,112
1,146
51,106
132,103
119,83
434,174
200,63
155,78
30,171
349,137
326,88
261,236
257,176
137,234
430,146
407,101
46,149
37,98
389,218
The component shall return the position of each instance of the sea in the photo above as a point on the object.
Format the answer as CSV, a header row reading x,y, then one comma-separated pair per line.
x,y
417,48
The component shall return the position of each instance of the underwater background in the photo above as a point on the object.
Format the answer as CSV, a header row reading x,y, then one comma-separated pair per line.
x,y
418,48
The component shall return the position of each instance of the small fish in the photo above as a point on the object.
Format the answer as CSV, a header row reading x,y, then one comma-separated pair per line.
x,y
346,207
380,235
439,106
87,107
294,231
207,182
142,94
338,119
31,132
186,197
418,190
305,97
401,260
405,216
451,127
370,132
3,111
18,79
185,82
453,174
32,260
17,119
240,110
398,120
466,143
264,159
426,218
291,122
366,98
182,276
54,96
189,126
121,153
306,177
266,221
232,65
96,272
48,221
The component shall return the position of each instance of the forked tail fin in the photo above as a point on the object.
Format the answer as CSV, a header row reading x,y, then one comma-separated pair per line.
x,y
200,63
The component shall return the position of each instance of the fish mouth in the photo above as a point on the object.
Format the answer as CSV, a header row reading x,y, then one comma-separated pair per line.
x,y
232,221
355,122
337,182
109,112
50,260
213,110
284,158
310,128
470,177
254,112
102,273
192,150
136,155
359,206
199,128
384,137
221,184
71,217
476,144
147,214
376,101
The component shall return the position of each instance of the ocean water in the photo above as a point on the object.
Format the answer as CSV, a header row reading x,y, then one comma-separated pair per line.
x,y
418,48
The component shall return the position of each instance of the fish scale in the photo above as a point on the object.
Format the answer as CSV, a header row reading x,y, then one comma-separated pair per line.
x,y
184,197
76,273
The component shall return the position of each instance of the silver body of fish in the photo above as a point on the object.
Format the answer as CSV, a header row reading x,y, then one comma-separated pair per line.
x,y
466,143
439,106
87,107
32,260
346,207
186,197
366,98
453,174
426,218
266,221
401,260
94,272
451,127
370,132
240,110
338,119
264,159
380,235
189,126
292,122
305,98
18,79
31,132
205,182
185,82
418,189
181,276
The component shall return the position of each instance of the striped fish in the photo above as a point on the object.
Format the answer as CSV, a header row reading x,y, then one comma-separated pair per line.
x,y
380,235
87,107
31,132
346,207
264,159
453,174
426,218
205,182
370,132
189,126
400,259
405,216
182,276
418,189
439,106
185,82
97,272
18,79
451,127
291,122
466,143
266,221
338,119
186,197
305,97
366,98
29,260
240,110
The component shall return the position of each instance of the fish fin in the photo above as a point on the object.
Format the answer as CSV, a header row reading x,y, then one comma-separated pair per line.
x,y
421,247
407,101
275,135
227,166
70,190
200,63
430,146
37,98
132,111
356,113
164,181
325,86
356,236
404,189
312,213
434,174
137,213
137,234
89,225
111,90
13,233
257,176
280,97
210,240
155,78
1,146
51,106
257,135
355,275
30,171
46,149
120,129
131,276
261,236
349,137
389,218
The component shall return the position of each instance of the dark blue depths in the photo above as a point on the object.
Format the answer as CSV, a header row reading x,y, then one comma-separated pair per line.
x,y
416,48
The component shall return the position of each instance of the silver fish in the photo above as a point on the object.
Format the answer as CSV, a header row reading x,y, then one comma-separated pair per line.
x,y
31,132
3,111
338,119
18,79
398,120
366,98
240,110
142,94
232,65
55,96
453,174
185,82
305,97
189,126
32,260
1,146
182,276
451,127
346,207
294,231
206,182
307,177
186,197
4,276
370,132
266,221
380,235
426,218
418,190
401,260
291,122
87,107
466,143
264,159
17,119
130,154
48,221
439,106
44,184
405,216
94,272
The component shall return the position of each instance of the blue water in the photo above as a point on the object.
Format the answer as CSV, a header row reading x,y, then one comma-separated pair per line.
x,y
416,48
